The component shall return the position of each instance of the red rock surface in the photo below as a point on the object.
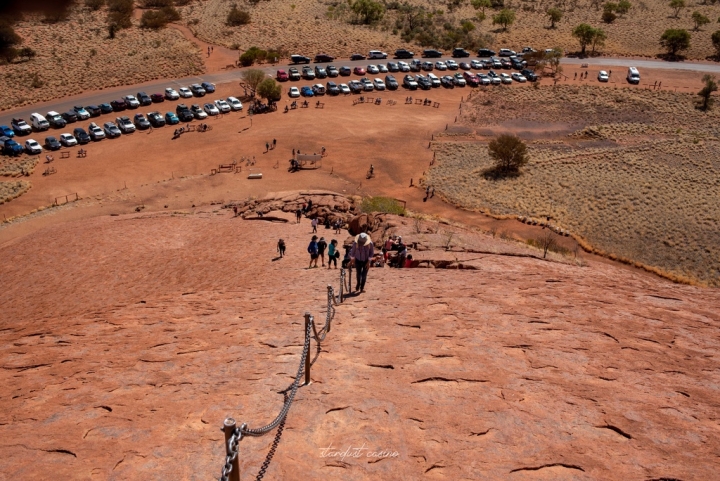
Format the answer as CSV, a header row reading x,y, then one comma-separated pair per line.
x,y
125,341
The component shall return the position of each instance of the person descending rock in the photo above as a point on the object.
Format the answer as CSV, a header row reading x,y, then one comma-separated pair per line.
x,y
298,214
313,251
281,248
314,224
361,254
322,245
333,253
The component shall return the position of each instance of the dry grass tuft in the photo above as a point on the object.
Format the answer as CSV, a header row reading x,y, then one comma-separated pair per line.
x,y
18,166
11,190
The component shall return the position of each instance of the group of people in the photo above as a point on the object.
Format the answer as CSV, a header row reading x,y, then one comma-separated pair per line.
x,y
401,259
317,249
270,146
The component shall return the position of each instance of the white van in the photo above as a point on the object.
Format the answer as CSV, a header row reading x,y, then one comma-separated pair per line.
x,y
38,122
633,76
377,54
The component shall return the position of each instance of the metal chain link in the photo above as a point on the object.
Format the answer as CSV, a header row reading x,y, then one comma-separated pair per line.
x,y
271,453
232,446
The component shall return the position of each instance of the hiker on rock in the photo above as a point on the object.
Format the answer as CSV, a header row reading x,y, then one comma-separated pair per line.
x,y
281,248
361,254
313,251
333,253
314,224
322,245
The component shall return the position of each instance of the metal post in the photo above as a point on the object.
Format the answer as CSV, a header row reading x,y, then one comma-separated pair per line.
x,y
330,305
228,429
308,319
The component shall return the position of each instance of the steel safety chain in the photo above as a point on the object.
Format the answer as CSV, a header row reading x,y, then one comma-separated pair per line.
x,y
232,447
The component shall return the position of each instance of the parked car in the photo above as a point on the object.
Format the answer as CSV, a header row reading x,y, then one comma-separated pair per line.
x,y
184,113
197,90
198,112
494,78
518,77
306,91
486,52
171,94
483,79
506,64
355,86
357,56
496,63
506,52
223,106
378,84
471,79
410,83
332,88
157,98
505,78
460,53
211,109
308,73
106,108
93,110
32,147
111,130
141,122
403,53
82,114
344,89
404,66
132,102
367,84
294,92
55,120
427,66
451,64
320,72
68,140
318,89
447,81
81,136
171,119
440,65
423,82
209,87
382,68
39,122
432,53
156,119
10,147
529,74
6,131
459,80
332,71
293,73
323,58
299,59
345,71
282,76
465,66
70,116
377,54
603,76
415,65
95,132
372,69
434,80
144,99
359,70
51,143
390,82
125,125
477,64
20,127
393,67
185,92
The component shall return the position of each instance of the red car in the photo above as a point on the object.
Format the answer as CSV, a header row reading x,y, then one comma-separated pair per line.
x,y
157,98
282,76
359,71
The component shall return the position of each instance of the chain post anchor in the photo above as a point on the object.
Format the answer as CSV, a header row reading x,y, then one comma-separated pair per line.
x,y
331,301
308,320
229,429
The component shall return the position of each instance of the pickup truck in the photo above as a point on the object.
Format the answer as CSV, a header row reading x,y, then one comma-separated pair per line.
x,y
20,127
10,147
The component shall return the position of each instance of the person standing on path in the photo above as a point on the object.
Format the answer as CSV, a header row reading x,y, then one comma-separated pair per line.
x,y
322,245
361,254
267,147
281,248
274,143
333,253
298,215
314,224
313,251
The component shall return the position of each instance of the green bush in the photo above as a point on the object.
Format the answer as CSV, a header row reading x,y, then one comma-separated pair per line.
x,y
120,13
153,19
171,13
386,205
237,17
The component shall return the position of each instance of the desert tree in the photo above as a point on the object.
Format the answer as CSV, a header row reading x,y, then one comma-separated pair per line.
x,y
598,39
509,153
623,7
269,89
707,91
481,5
368,11
119,15
715,37
252,78
8,40
547,242
699,19
555,14
675,40
505,18
237,17
677,5
585,34
609,9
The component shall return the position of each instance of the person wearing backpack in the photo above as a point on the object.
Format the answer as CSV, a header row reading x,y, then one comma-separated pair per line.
x,y
333,253
313,251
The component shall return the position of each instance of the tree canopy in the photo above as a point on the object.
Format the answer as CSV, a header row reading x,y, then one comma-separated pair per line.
x,y
675,40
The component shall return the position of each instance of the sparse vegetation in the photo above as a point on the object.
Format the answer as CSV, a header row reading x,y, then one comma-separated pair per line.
x,y
505,18
716,42
269,89
120,14
252,78
555,15
387,205
707,91
588,35
368,12
677,5
94,4
13,189
699,19
237,17
252,55
509,153
675,40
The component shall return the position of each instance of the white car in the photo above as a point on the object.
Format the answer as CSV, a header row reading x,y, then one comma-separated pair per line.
x,y
451,64
372,69
68,140
404,66
518,77
440,65
344,89
222,106
379,84
505,78
476,64
382,68
294,92
96,133
377,54
132,102
434,80
32,147
210,109
603,76
235,104
483,79
171,94
185,92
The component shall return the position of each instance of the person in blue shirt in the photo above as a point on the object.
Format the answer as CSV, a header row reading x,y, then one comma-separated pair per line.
x,y
313,251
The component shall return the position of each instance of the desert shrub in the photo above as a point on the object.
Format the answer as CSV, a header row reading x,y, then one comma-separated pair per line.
x,y
153,19
27,53
699,19
252,78
94,4
585,35
715,37
623,7
156,3
608,16
707,91
387,205
509,153
120,14
171,13
368,12
57,13
555,15
237,17
677,5
505,18
36,82
269,89
252,55
675,40
8,39
548,242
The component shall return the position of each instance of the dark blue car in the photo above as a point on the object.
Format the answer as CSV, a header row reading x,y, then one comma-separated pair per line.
x,y
209,87
306,91
6,131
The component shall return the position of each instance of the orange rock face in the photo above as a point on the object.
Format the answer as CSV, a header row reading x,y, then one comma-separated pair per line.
x,y
125,341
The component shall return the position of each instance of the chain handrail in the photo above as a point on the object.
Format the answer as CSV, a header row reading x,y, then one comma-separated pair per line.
x,y
310,333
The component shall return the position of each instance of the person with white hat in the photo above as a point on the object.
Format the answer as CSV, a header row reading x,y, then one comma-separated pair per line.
x,y
361,254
